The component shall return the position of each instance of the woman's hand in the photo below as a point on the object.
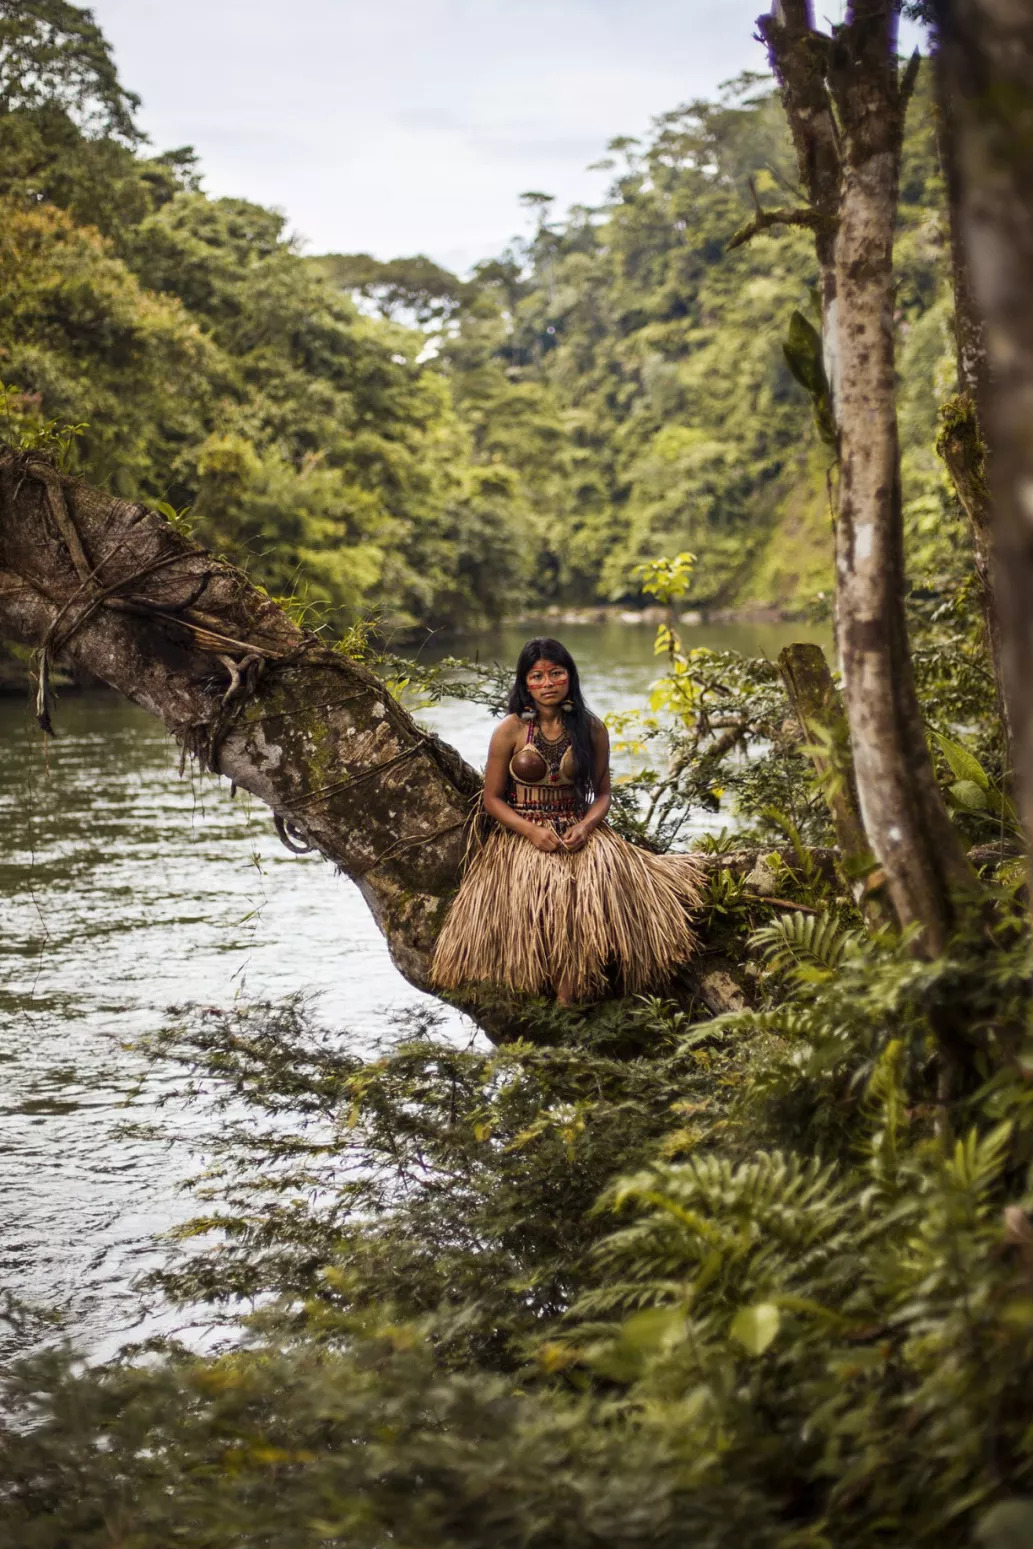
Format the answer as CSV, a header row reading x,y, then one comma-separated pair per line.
x,y
544,838
577,837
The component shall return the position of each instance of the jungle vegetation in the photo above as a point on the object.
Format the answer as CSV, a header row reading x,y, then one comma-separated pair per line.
x,y
648,1276
373,435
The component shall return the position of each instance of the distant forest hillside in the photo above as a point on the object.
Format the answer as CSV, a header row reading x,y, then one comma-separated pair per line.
x,y
387,436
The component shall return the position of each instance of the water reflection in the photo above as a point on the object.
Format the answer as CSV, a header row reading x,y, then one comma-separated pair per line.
x,y
124,890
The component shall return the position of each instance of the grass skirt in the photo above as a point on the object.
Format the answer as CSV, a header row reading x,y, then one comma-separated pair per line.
x,y
608,915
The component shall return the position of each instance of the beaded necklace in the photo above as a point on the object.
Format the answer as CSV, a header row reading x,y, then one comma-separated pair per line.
x,y
552,752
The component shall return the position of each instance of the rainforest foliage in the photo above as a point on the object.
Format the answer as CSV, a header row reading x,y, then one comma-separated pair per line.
x,y
740,1284
651,1277
385,435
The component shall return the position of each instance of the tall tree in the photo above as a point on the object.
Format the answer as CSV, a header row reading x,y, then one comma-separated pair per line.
x,y
846,101
54,54
987,62
961,443
417,286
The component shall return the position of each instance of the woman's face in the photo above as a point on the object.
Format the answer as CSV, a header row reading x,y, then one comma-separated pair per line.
x,y
547,682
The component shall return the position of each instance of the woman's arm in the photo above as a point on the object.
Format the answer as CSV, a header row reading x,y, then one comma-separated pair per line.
x,y
575,837
496,776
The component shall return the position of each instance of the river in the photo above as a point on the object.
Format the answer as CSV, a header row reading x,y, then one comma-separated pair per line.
x,y
125,890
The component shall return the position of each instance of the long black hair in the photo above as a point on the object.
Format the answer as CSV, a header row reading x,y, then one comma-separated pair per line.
x,y
577,721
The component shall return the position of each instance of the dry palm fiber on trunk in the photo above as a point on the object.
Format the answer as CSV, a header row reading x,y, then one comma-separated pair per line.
x,y
527,919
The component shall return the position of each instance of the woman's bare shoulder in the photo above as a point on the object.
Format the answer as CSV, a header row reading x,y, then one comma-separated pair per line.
x,y
506,732
600,735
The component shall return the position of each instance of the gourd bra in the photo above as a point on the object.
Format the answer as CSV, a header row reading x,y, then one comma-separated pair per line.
x,y
541,762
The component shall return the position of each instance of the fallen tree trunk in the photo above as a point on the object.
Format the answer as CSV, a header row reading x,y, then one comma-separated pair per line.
x,y
307,730
121,594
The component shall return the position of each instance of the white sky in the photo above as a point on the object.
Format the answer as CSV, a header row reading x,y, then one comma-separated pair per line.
x,y
404,126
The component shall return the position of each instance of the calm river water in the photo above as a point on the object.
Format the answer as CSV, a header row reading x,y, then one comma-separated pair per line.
x,y
126,889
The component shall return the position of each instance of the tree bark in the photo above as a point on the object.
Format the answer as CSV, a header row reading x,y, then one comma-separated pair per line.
x,y
844,99
969,332
819,710
799,56
987,62
961,442
307,730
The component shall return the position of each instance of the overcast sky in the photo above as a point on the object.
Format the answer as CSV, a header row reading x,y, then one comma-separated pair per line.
x,y
403,126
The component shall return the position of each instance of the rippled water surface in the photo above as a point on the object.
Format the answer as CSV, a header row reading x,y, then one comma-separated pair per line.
x,y
125,889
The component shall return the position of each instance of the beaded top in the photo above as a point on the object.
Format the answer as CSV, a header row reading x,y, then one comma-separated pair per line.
x,y
542,781
541,762
552,752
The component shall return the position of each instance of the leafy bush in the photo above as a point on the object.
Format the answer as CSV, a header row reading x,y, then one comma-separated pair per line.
x,y
755,1282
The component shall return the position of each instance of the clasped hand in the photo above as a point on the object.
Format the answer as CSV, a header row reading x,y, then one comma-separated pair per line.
x,y
548,839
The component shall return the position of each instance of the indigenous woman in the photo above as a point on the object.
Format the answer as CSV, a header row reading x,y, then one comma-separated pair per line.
x,y
554,898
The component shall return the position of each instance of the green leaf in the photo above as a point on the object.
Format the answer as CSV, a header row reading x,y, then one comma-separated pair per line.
x,y
803,355
1008,1525
964,766
755,1327
654,1330
642,1337
1002,806
967,794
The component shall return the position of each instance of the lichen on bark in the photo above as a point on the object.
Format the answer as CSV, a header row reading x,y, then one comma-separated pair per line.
x,y
310,732
845,102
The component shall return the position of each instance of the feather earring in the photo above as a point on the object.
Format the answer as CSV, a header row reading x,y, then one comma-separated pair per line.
x,y
567,705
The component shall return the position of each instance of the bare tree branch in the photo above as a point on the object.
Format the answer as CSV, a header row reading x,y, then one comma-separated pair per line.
x,y
764,220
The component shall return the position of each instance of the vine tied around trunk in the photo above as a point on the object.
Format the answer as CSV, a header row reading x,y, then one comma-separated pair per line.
x,y
311,732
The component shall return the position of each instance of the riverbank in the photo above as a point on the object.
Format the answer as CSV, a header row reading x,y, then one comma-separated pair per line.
x,y
17,678
16,672
692,618
127,889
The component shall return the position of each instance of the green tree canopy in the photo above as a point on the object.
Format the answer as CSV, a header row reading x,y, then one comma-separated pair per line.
x,y
54,54
415,286
387,434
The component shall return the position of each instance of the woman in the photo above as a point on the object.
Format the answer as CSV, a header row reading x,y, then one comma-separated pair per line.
x,y
554,897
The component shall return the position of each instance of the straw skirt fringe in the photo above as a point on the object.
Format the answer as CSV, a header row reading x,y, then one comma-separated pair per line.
x,y
525,919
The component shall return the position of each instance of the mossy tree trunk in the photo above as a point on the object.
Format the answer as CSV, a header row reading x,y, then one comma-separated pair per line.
x,y
986,49
310,732
819,709
961,441
845,102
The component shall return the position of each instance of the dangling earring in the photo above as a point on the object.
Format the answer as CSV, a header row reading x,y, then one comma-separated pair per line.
x,y
527,715
568,704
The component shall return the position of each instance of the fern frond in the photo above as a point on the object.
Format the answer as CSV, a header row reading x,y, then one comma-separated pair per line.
x,y
802,944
